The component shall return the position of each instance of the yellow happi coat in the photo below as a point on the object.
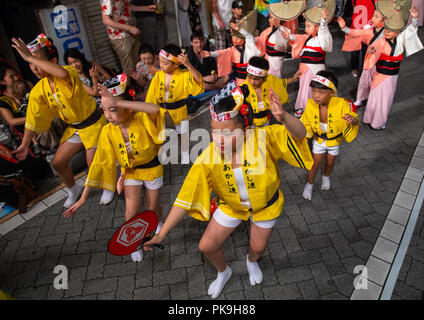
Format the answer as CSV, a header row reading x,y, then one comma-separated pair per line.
x,y
182,85
261,174
279,86
337,108
143,134
75,105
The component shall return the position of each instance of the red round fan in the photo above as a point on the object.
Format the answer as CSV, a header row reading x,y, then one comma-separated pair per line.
x,y
128,237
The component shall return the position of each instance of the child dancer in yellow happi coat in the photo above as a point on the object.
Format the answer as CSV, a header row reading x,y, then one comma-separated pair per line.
x,y
247,187
59,93
259,82
131,138
328,120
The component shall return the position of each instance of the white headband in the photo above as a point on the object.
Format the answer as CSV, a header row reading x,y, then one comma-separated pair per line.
x,y
325,82
258,72
116,85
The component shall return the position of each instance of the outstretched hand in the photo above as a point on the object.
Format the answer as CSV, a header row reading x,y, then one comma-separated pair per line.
x,y
276,106
22,49
157,239
108,100
341,22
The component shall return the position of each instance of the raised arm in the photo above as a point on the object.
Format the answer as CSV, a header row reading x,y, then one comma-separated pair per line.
x,y
49,66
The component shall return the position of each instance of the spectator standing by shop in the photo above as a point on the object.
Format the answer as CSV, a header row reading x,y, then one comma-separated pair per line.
x,y
221,16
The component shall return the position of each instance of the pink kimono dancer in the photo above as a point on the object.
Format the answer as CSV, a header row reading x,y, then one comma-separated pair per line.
x,y
305,91
364,85
379,103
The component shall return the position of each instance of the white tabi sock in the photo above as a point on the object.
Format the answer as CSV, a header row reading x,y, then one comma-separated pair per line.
x,y
73,194
307,192
325,185
255,273
137,256
107,197
160,224
218,284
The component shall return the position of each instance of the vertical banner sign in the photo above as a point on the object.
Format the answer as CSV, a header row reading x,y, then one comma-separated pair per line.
x,y
64,25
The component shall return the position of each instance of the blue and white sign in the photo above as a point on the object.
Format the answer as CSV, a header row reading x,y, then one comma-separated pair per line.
x,y
64,25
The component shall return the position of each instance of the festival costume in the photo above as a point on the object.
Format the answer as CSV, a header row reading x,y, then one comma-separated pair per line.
x,y
181,87
387,57
71,103
143,135
311,50
262,112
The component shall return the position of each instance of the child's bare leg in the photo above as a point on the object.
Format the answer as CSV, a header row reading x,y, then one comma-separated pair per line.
x,y
132,205
152,203
64,154
258,242
211,246
307,191
329,166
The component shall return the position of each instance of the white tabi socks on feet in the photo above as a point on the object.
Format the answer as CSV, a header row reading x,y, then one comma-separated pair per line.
x,y
107,197
217,285
73,194
137,256
307,192
255,273
325,185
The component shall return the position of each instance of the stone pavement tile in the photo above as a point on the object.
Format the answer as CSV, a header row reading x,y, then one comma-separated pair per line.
x,y
30,274
383,207
77,283
300,226
309,212
406,292
399,215
322,278
197,282
34,211
331,214
301,258
362,204
293,275
369,234
169,276
106,296
414,174
50,240
315,242
289,240
332,261
403,272
30,254
10,250
334,296
377,270
187,260
410,186
309,290
278,256
54,294
11,224
70,245
75,260
376,220
344,283
362,249
125,287
385,249
404,200
282,292
100,285
341,244
144,274
88,297
372,292
253,292
349,230
415,275
321,228
179,291
31,293
119,269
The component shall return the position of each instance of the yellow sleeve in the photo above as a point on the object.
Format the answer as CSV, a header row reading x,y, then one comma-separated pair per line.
x,y
151,96
102,173
39,116
283,146
68,88
195,88
195,193
153,123
349,131
307,123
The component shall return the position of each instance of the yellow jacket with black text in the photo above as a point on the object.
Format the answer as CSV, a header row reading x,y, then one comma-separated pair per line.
x,y
337,128
262,149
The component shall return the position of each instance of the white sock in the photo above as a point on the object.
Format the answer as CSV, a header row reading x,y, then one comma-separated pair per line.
x,y
358,102
137,256
325,185
307,192
218,284
107,197
160,224
73,194
255,273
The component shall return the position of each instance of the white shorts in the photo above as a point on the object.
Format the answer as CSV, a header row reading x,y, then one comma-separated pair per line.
x,y
322,148
230,222
151,185
75,138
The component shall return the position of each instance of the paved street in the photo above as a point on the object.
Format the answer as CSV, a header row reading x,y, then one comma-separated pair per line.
x,y
313,249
